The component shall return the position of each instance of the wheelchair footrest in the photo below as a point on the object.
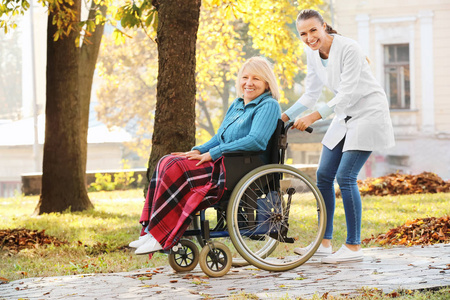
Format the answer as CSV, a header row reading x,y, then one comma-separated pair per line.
x,y
281,238
257,237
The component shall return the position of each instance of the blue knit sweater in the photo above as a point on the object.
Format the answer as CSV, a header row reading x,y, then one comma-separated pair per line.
x,y
245,127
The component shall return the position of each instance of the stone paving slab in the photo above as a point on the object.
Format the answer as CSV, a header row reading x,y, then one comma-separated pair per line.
x,y
385,269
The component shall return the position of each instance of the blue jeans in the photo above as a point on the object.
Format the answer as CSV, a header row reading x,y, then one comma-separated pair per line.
x,y
344,166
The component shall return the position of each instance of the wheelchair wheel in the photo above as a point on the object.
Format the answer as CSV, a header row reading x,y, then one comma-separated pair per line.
x,y
237,261
273,210
184,258
215,261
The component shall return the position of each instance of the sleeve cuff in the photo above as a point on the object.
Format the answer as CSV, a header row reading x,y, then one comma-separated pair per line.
x,y
295,110
199,148
215,153
325,111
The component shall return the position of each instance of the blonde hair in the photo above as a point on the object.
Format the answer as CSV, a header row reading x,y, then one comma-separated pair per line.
x,y
260,66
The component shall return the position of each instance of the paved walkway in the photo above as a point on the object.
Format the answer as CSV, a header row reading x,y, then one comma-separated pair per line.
x,y
384,269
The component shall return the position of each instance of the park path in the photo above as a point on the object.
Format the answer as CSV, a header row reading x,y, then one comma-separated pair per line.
x,y
388,270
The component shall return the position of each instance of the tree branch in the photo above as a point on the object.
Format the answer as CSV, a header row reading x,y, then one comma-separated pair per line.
x,y
210,127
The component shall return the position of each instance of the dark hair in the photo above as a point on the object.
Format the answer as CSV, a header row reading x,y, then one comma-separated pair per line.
x,y
311,13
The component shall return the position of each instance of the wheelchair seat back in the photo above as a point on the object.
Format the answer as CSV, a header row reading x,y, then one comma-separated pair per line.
x,y
239,163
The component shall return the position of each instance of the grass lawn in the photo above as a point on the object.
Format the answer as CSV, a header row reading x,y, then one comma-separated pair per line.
x,y
94,237
97,237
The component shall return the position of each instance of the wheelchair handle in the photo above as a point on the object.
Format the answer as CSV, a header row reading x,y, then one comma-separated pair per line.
x,y
290,124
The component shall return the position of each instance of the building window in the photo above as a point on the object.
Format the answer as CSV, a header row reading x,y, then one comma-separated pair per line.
x,y
396,74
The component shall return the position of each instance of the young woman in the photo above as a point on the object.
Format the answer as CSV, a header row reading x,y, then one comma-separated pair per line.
x,y
184,183
361,123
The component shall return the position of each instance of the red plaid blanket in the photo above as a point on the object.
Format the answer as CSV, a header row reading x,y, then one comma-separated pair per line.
x,y
177,190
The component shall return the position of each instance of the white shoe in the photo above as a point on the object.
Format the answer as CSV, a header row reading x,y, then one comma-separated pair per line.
x,y
321,251
142,239
150,246
343,255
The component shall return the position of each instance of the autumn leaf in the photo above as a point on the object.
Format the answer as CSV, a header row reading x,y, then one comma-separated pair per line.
x,y
19,239
425,231
403,184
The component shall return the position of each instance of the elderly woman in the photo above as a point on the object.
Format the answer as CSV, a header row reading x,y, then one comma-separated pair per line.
x,y
184,183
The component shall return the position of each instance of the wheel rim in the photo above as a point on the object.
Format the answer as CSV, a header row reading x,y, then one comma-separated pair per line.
x,y
237,261
186,258
260,209
216,260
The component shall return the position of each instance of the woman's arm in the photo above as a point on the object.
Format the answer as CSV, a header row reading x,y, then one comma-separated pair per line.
x,y
262,128
304,122
214,141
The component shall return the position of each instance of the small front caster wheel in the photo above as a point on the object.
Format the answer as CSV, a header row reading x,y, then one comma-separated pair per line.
x,y
184,258
216,260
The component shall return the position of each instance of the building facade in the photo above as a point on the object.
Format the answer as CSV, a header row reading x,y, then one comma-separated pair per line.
x,y
20,155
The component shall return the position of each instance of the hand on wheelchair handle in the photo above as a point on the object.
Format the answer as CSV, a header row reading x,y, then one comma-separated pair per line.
x,y
308,129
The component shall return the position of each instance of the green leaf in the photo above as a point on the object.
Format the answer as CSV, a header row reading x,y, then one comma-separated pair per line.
x,y
150,17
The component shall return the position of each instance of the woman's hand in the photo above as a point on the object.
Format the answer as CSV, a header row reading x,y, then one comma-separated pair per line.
x,y
284,117
188,154
202,158
304,122
195,154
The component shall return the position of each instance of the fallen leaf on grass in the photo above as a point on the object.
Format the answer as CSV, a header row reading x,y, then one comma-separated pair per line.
x,y
402,184
20,238
425,231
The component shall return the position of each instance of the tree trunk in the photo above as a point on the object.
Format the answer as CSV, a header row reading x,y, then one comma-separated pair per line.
x,y
88,59
63,179
174,128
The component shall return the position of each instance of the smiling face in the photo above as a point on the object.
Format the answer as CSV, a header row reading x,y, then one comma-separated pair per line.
x,y
313,34
252,85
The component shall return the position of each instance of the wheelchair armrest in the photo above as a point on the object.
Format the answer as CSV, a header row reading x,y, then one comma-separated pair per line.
x,y
242,153
239,163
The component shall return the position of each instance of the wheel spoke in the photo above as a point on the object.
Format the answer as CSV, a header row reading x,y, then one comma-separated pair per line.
x,y
271,205
186,258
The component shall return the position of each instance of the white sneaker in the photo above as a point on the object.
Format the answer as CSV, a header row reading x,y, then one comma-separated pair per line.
x,y
142,239
344,254
150,246
321,251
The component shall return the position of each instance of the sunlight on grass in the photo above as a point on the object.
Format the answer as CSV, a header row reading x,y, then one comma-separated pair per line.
x,y
93,237
96,238
383,213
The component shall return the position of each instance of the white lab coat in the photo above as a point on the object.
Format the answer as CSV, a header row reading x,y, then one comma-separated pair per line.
x,y
357,94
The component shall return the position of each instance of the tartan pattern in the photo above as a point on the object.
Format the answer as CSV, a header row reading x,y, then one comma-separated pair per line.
x,y
177,190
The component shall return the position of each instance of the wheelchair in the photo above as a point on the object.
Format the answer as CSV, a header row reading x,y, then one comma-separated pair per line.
x,y
271,209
